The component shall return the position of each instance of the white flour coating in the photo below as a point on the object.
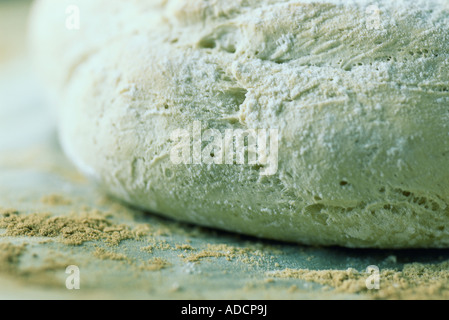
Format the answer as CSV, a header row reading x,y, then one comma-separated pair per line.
x,y
362,110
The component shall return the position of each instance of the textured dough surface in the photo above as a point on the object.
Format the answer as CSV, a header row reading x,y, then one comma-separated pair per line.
x,y
362,113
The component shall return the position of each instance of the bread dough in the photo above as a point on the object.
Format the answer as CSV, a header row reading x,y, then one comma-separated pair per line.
x,y
358,91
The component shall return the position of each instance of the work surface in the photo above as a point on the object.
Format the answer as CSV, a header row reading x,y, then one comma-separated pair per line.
x,y
51,217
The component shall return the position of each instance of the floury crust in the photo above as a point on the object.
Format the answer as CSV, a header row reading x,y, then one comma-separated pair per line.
x,y
233,147
362,111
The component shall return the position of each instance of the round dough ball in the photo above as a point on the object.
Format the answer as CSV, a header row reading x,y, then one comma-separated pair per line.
x,y
358,92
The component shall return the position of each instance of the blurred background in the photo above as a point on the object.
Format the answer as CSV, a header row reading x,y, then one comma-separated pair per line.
x,y
24,120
